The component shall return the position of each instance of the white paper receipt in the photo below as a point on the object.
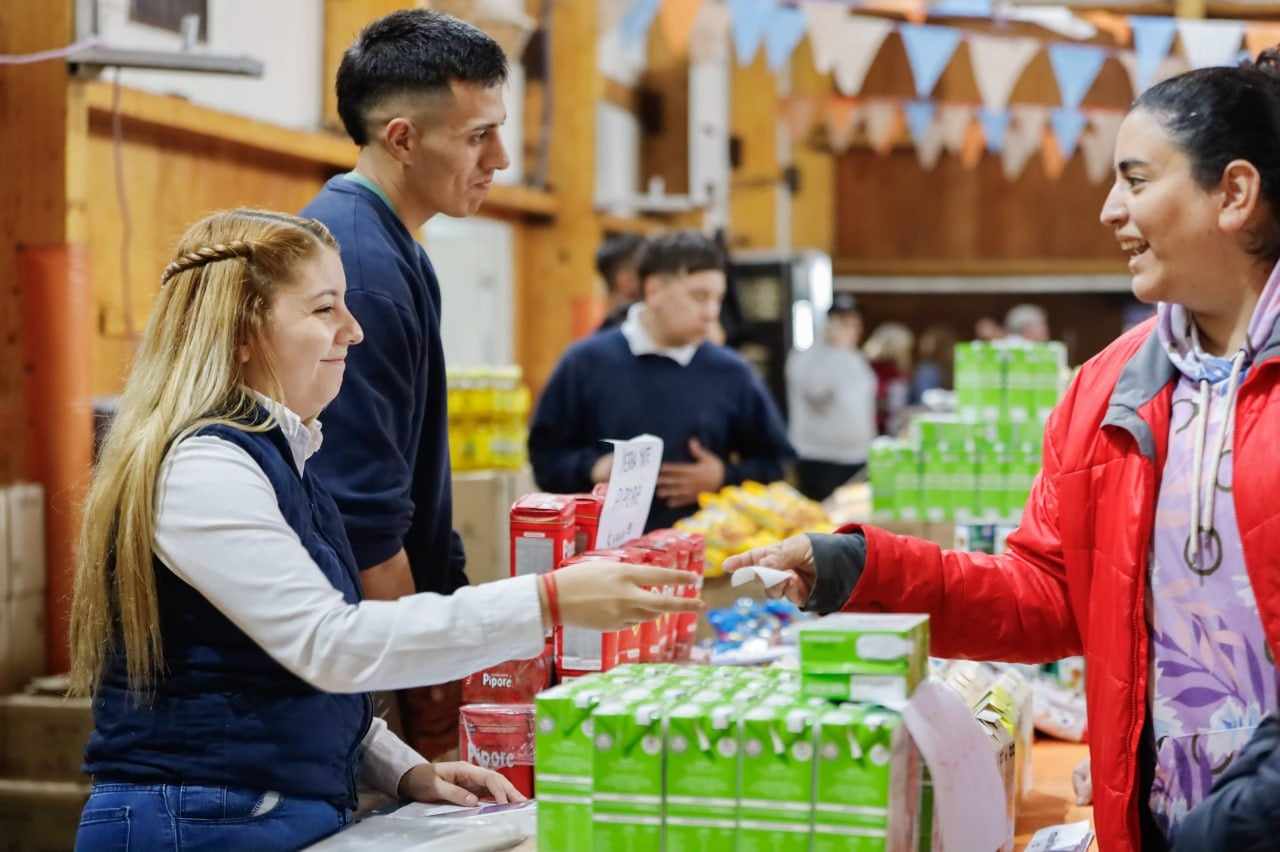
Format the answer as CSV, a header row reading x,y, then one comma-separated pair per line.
x,y
770,577
1072,837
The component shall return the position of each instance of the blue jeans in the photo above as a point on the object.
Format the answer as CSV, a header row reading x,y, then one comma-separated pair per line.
x,y
124,817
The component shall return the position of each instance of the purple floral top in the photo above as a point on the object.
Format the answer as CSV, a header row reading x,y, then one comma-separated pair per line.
x,y
1213,677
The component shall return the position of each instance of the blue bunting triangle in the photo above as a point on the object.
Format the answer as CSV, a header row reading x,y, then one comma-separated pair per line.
x,y
1075,66
1068,124
961,8
635,24
929,49
994,125
787,27
749,20
919,118
1152,39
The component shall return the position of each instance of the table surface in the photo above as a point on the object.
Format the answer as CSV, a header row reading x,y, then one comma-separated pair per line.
x,y
1052,800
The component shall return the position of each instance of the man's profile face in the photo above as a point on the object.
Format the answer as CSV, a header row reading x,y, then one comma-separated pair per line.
x,y
684,305
459,148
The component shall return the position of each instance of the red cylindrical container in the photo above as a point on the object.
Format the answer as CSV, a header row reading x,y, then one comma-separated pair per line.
x,y
586,521
542,533
499,737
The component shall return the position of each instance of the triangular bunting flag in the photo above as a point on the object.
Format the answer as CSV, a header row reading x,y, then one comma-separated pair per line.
x,y
1051,158
997,65
1068,124
798,113
1258,37
749,20
611,13
929,149
1022,138
1058,19
929,49
960,9
826,26
1116,26
884,125
1152,38
953,122
620,58
677,18
1075,67
842,122
860,41
1171,66
919,118
1097,145
973,148
994,125
709,41
1210,43
636,22
786,29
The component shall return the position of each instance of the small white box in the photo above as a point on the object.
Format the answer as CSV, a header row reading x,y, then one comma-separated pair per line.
x,y
25,572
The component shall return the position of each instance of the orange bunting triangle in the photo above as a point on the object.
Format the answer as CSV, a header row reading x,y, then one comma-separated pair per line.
x,y
915,11
975,144
1051,156
885,126
841,120
676,17
798,113
1258,37
1116,26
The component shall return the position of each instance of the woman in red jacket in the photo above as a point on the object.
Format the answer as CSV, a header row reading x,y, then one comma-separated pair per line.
x,y
1151,540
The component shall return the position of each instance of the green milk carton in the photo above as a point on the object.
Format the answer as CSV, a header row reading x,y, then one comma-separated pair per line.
x,y
991,486
866,792
1021,468
701,778
991,381
882,472
935,485
962,468
967,381
626,798
563,765
907,484
867,657
775,791
1020,382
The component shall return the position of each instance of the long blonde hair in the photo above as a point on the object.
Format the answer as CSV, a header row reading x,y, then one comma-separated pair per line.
x,y
214,299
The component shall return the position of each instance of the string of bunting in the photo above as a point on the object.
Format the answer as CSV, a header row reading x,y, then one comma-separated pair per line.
x,y
845,44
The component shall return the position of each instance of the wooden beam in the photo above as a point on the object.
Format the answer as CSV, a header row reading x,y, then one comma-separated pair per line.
x,y
753,192
919,267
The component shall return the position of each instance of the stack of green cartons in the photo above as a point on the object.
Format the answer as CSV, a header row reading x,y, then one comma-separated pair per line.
x,y
775,808
563,768
867,782
864,657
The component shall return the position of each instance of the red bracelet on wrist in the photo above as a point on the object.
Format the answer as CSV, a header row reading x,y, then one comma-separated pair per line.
x,y
553,602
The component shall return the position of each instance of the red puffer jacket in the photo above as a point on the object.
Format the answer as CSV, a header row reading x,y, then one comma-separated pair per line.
x,y
1074,577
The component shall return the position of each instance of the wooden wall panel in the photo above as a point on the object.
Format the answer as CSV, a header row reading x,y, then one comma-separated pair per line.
x,y
813,206
753,120
664,149
171,179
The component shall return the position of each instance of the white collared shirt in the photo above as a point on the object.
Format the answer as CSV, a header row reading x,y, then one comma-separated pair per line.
x,y
219,528
642,344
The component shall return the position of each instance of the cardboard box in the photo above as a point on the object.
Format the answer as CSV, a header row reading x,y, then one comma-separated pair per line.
x,y
881,657
562,774
626,798
481,508
42,737
23,507
22,634
775,794
701,777
40,816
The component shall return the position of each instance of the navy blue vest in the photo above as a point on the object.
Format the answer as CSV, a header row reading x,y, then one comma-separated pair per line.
x,y
224,712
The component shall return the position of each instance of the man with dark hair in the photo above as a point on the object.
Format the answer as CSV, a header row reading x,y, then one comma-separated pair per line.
x,y
421,94
616,263
657,373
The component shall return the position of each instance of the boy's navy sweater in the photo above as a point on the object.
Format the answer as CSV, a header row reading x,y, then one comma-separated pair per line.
x,y
385,458
601,390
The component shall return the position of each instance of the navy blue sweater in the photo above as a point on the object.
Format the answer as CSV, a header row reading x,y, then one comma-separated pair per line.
x,y
385,458
601,390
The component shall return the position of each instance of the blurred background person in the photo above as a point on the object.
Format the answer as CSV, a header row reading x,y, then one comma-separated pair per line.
x,y
888,350
935,353
1027,322
616,262
657,373
988,328
831,392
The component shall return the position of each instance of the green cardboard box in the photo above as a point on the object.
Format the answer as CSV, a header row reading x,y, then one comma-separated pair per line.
x,y
563,766
626,798
701,778
881,657
775,794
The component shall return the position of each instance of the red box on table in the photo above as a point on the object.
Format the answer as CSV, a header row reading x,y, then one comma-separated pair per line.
x,y
499,737
542,532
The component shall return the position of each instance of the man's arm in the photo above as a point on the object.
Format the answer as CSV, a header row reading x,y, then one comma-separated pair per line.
x,y
563,453
389,580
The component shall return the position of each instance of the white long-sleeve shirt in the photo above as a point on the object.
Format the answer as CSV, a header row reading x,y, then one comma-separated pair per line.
x,y
219,528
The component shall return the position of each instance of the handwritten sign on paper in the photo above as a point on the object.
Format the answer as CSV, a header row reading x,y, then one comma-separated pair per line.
x,y
631,486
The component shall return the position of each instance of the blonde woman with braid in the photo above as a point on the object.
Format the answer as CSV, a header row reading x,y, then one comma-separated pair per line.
x,y
217,618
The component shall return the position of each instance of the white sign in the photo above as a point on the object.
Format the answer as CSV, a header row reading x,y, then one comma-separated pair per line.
x,y
631,485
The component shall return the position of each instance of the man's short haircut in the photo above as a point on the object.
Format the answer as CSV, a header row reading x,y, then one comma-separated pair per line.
x,y
412,51
679,253
615,253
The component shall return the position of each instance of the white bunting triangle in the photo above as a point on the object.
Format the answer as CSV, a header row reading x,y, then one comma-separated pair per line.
x,y
1172,66
882,123
860,41
1210,43
929,147
826,31
1023,138
709,40
953,123
1098,143
997,65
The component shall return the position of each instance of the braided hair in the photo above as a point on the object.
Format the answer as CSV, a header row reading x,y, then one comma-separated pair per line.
x,y
205,255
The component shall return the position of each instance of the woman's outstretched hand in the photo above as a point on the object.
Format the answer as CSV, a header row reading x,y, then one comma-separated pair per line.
x,y
613,595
